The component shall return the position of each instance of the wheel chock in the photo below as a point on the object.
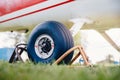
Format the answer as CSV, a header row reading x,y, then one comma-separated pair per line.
x,y
81,52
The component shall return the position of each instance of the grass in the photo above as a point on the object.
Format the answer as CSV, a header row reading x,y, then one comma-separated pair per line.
x,y
30,71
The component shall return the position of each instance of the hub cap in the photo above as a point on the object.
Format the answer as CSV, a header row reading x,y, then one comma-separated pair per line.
x,y
44,46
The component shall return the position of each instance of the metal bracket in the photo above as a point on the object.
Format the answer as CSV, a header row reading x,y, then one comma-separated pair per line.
x,y
16,56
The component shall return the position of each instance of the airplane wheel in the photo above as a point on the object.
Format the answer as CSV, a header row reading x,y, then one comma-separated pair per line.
x,y
48,41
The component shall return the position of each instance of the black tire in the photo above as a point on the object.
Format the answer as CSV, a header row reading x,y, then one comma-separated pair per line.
x,y
48,41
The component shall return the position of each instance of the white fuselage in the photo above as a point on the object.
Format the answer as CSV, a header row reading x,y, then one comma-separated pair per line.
x,y
59,10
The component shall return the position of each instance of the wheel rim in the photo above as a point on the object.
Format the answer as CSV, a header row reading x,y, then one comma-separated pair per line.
x,y
44,46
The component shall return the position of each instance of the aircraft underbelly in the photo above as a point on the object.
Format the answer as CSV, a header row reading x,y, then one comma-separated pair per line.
x,y
33,15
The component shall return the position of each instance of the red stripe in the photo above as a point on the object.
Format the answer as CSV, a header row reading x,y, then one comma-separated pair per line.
x,y
38,10
7,7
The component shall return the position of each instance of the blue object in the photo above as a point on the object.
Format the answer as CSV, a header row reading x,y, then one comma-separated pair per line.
x,y
116,62
6,53
81,61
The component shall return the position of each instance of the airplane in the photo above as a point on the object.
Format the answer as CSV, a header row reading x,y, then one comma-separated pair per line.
x,y
49,38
